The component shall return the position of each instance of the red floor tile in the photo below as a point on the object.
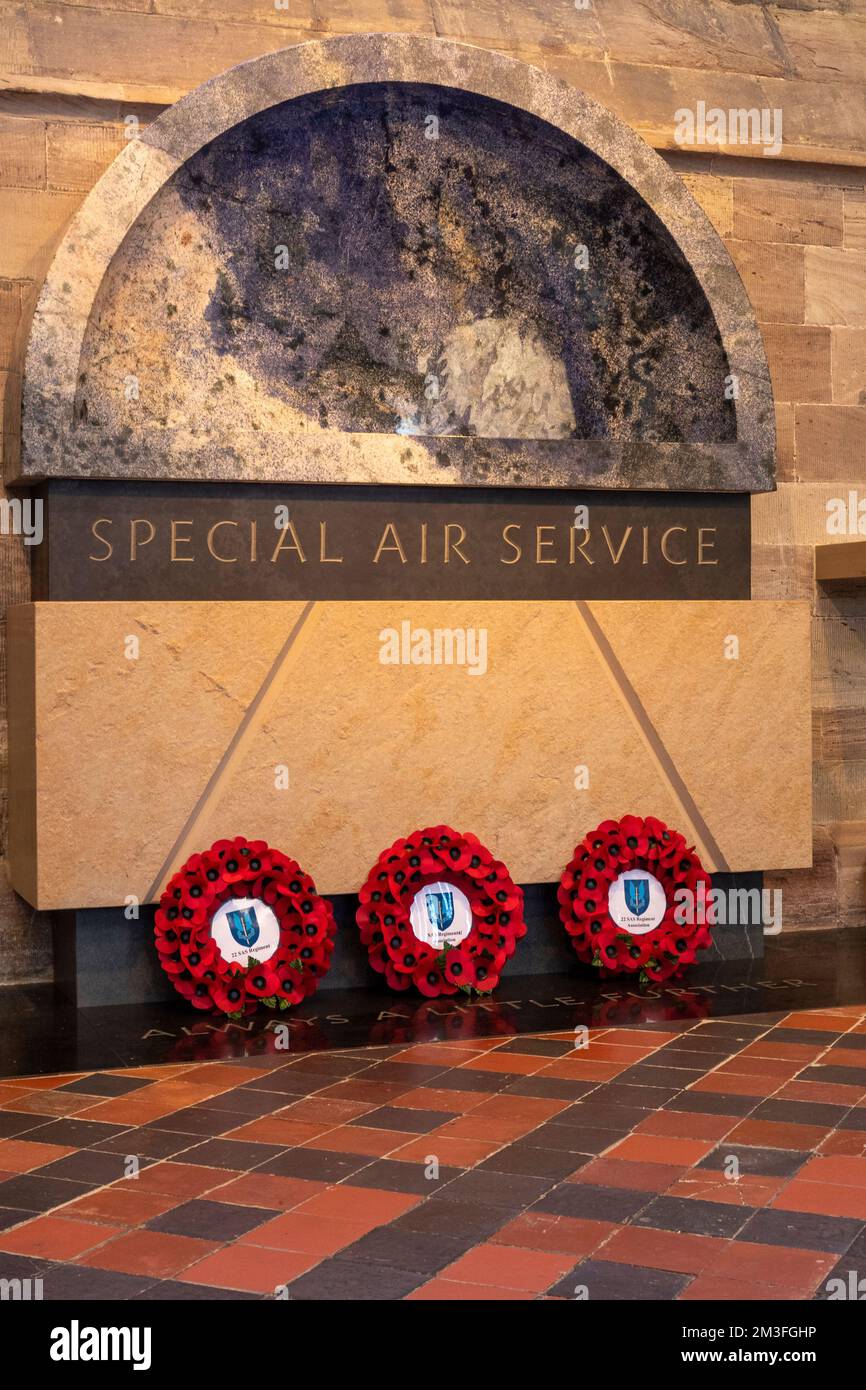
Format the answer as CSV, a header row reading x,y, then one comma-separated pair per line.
x,y
453,1102
123,1205
148,1252
307,1233
249,1269
707,1185
841,1170
180,1179
639,1245
360,1204
449,1149
264,1190
711,1288
644,1148
768,1134
55,1237
277,1130
20,1155
639,1177
509,1267
765,1264
822,1199
356,1139
447,1291
682,1124
565,1234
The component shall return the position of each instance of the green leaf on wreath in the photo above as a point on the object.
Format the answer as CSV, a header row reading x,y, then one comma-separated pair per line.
x,y
295,964
284,1003
239,1013
271,1002
251,961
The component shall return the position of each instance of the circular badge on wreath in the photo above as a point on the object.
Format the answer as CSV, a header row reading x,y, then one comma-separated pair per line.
x,y
438,911
622,904
242,924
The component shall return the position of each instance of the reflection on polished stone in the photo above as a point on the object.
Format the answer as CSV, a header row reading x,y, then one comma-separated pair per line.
x,y
801,970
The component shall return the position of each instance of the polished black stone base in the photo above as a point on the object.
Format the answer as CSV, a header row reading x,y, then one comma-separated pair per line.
x,y
101,957
42,1031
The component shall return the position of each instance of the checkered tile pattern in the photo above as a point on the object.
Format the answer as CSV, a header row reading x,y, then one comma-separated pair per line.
x,y
715,1159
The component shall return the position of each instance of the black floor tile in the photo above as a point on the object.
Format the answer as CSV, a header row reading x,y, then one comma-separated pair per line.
x,y
801,1230
403,1120
533,1161
420,1251
329,1064
587,1202
578,1139
196,1120
800,1112
391,1175
174,1291
22,1267
575,1139
671,1079
285,1081
78,1134
700,1040
603,1280
409,1074
14,1124
147,1143
244,1103
603,1114
465,1079
347,1280
10,1216
32,1193
771,1163
816,1037
238,1154
537,1047
513,1192
711,1103
208,1220
74,1283
549,1088
457,1220
836,1075
691,1216
846,1282
86,1166
105,1083
318,1165
645,1098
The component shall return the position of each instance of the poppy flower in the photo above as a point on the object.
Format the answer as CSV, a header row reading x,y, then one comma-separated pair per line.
x,y
460,968
430,979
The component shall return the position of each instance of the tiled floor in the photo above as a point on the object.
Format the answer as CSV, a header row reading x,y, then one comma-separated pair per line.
x,y
704,1159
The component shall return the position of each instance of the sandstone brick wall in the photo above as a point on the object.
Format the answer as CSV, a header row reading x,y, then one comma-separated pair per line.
x,y
72,73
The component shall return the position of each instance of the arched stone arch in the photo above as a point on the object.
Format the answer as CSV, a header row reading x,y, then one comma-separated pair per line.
x,y
79,420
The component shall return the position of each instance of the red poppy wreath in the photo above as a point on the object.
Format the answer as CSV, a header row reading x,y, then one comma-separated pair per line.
x,y
621,904
242,924
438,911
